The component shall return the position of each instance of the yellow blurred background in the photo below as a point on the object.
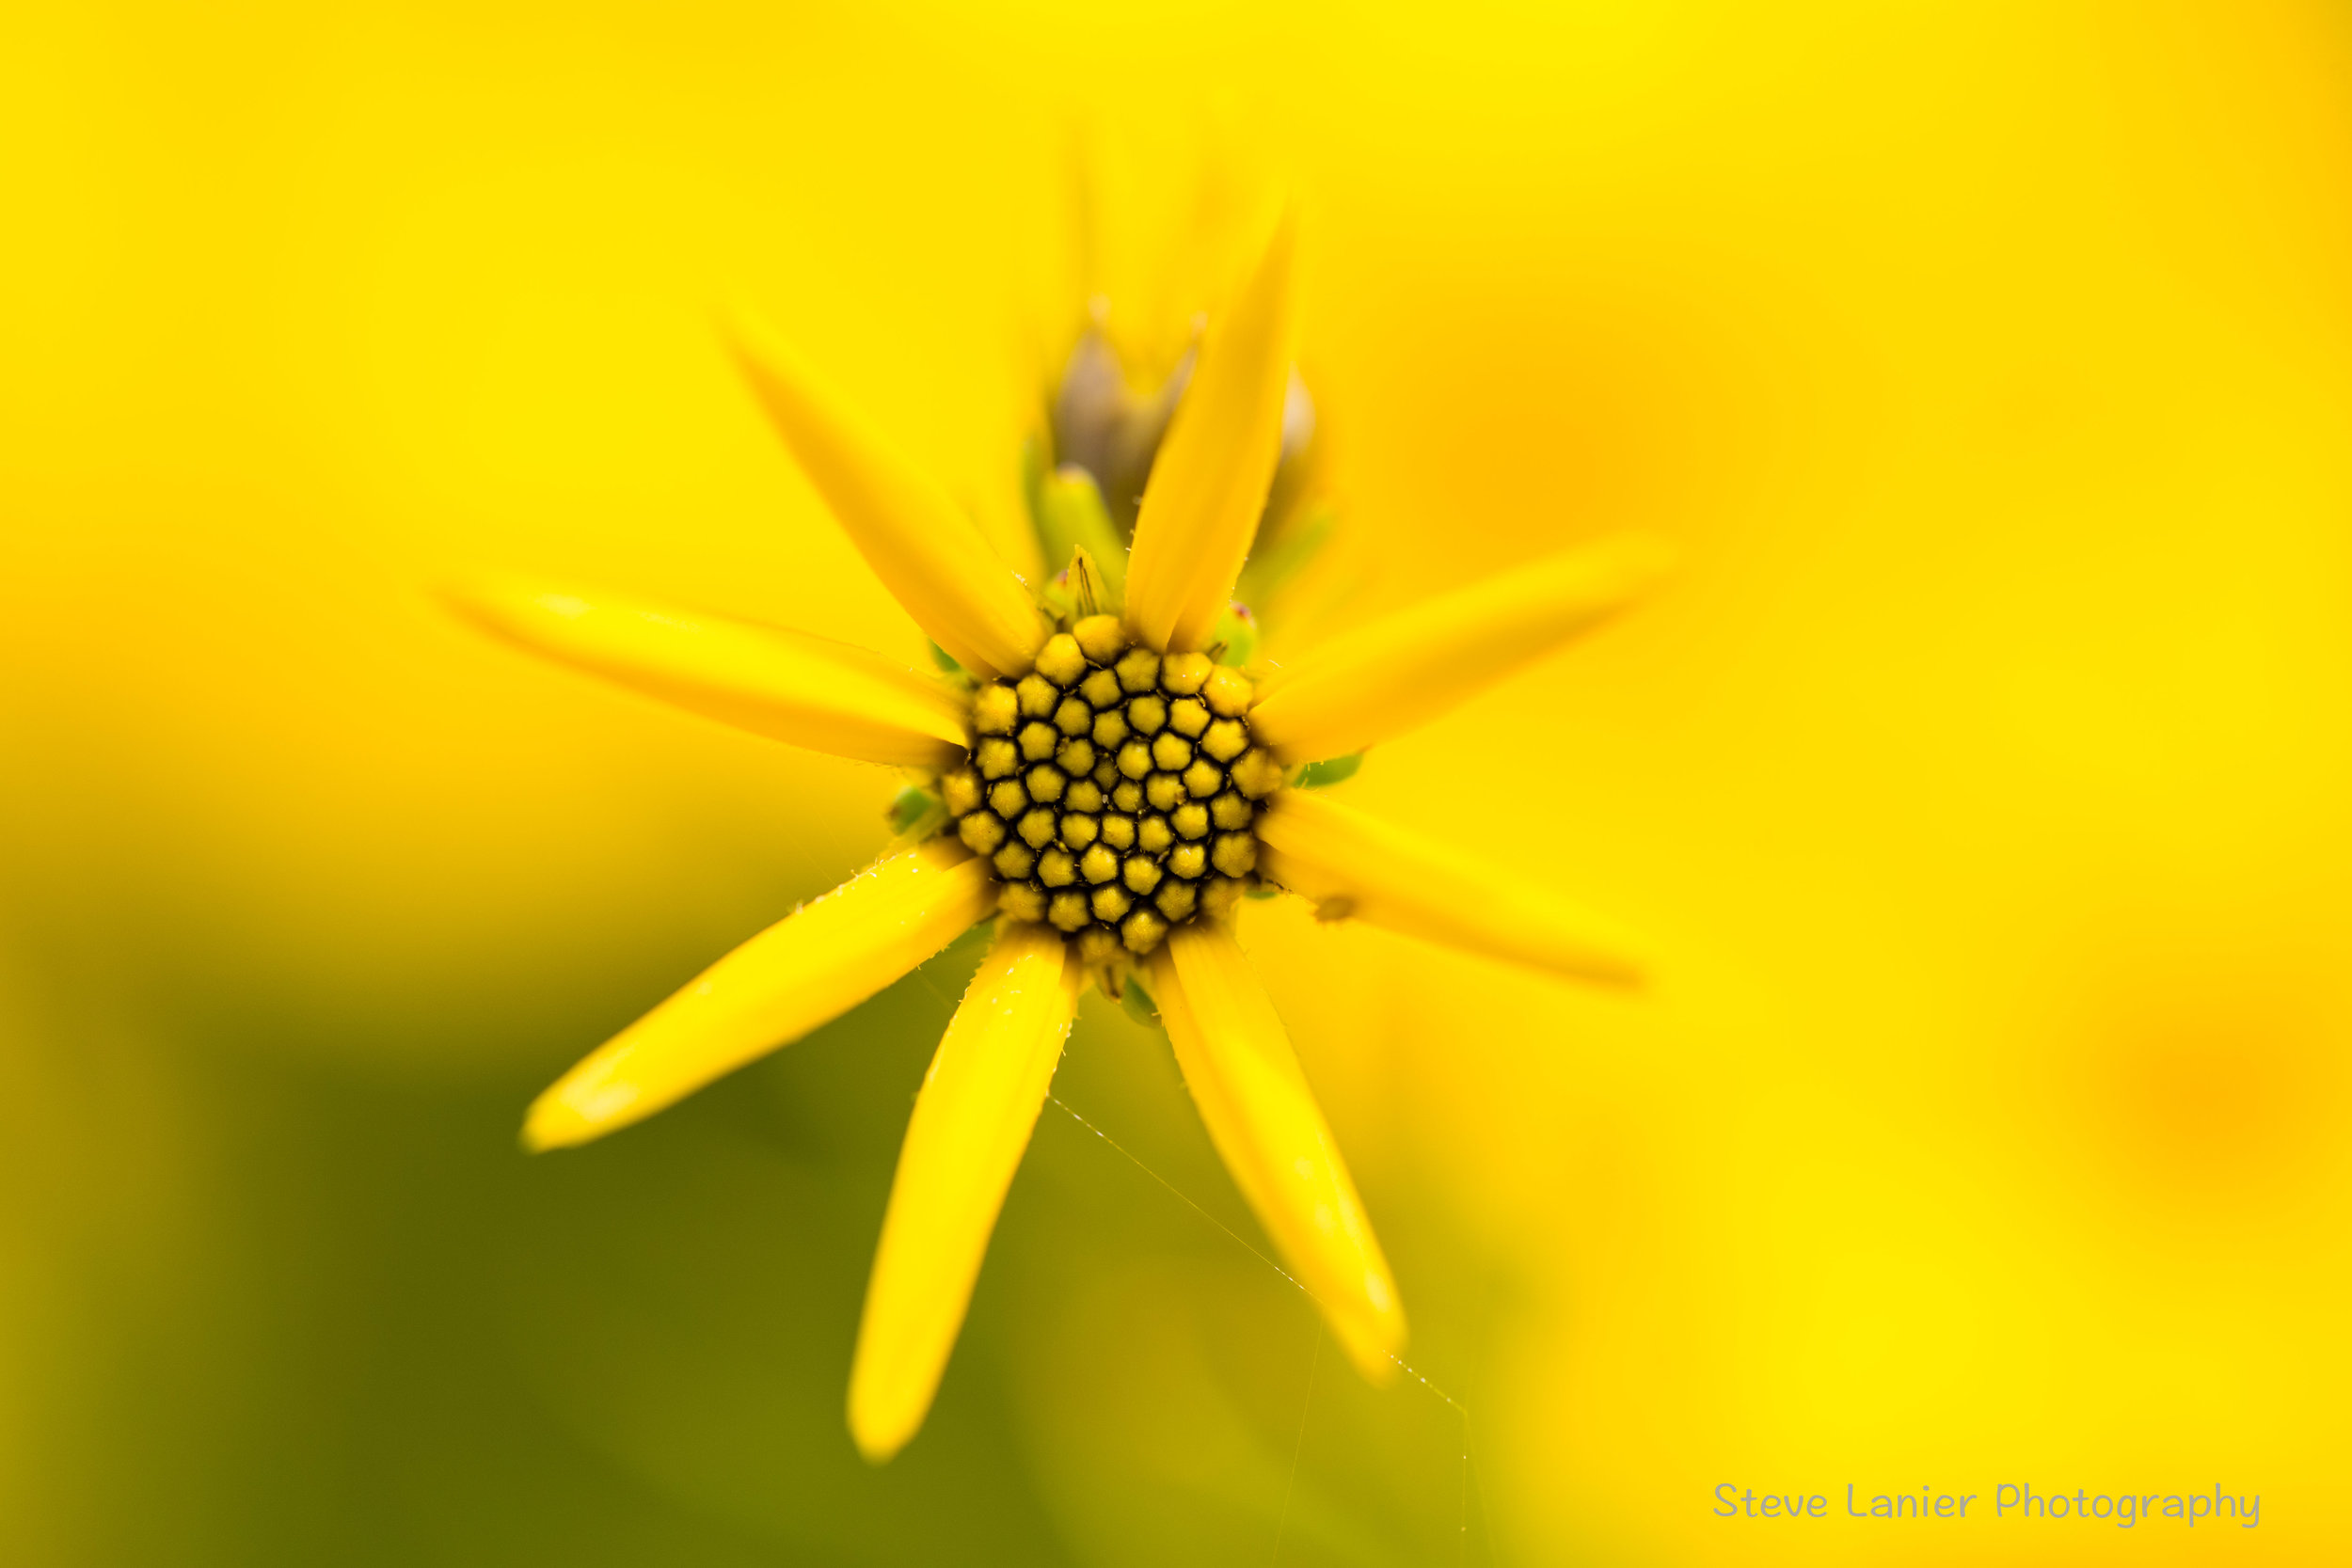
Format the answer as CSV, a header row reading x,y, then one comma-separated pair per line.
x,y
1982,781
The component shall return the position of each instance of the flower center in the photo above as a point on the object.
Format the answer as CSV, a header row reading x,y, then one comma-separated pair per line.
x,y
1114,791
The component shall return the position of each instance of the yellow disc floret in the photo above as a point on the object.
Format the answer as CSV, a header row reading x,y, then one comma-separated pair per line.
x,y
1114,791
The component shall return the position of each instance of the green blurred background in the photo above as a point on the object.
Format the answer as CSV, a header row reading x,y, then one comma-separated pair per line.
x,y
1983,781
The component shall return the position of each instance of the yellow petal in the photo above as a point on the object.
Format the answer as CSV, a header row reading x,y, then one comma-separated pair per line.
x,y
1355,864
1210,480
972,1121
805,970
793,687
1400,672
919,543
1263,1120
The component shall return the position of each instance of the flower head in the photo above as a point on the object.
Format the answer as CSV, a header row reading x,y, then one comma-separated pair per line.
x,y
1106,772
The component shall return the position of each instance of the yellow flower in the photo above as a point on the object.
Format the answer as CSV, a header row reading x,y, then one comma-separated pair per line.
x,y
1101,773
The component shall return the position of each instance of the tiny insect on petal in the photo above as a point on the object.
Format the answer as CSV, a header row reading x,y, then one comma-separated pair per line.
x,y
1386,876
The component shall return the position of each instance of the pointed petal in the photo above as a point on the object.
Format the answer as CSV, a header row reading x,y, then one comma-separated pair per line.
x,y
790,685
1355,864
920,544
972,1121
805,970
1209,482
1398,673
1263,1120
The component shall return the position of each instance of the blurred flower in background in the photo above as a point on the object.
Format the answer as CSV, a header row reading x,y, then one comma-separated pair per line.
x,y
1982,782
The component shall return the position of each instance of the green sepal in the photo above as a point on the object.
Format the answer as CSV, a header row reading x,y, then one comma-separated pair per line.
x,y
1287,554
1236,638
1262,893
1067,508
1035,463
945,660
1136,1003
914,807
1077,590
1331,771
